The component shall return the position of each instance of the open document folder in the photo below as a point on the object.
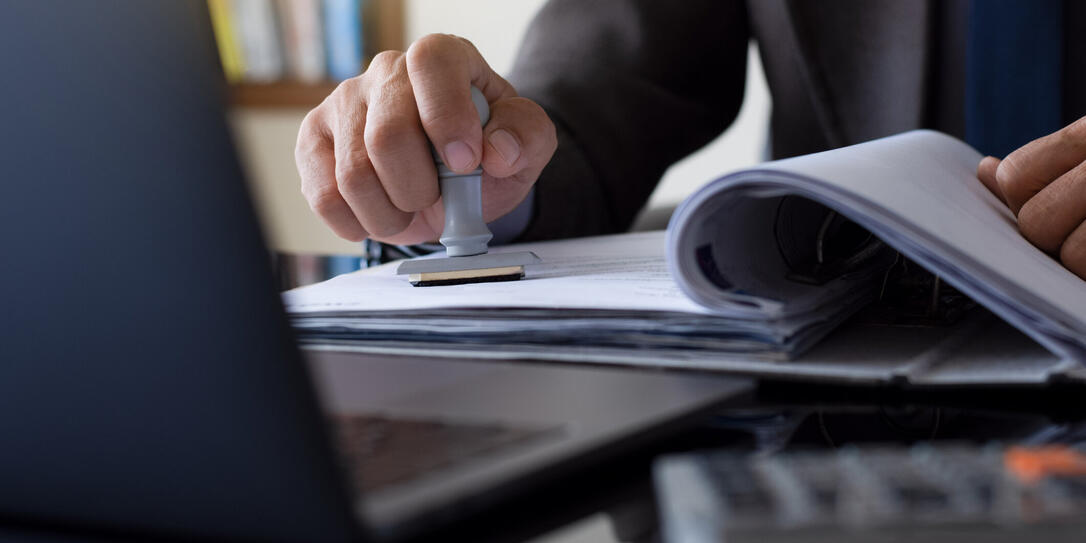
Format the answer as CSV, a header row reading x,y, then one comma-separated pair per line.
x,y
755,269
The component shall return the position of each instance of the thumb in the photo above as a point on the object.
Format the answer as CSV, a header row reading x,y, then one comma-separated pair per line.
x,y
520,138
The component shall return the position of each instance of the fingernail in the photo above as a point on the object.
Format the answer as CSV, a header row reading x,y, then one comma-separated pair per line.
x,y
506,145
459,156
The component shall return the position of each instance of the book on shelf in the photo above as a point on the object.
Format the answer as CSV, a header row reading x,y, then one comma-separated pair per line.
x,y
226,39
259,37
303,40
308,41
882,262
343,38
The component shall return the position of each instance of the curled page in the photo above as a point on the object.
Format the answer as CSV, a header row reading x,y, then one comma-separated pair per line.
x,y
917,192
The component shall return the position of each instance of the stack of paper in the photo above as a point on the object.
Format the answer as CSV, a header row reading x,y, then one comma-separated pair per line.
x,y
758,266
603,299
919,193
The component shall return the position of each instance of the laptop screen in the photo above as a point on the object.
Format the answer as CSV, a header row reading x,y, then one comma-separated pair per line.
x,y
149,381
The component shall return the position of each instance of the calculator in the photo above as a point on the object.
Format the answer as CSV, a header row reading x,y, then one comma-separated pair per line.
x,y
925,493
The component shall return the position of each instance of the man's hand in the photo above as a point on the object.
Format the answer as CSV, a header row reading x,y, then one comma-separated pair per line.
x,y
364,157
1044,184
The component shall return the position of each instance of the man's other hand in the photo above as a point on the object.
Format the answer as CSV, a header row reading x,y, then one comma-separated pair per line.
x,y
364,157
1044,184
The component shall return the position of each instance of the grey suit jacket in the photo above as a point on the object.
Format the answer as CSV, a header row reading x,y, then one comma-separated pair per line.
x,y
635,85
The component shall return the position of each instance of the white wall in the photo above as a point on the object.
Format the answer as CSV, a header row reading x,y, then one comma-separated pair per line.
x,y
494,26
266,137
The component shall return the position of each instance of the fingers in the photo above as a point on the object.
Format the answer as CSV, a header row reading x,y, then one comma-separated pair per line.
x,y
356,177
518,137
395,141
986,172
442,69
364,154
1030,169
425,227
1056,211
316,163
1044,184
518,143
362,190
1073,251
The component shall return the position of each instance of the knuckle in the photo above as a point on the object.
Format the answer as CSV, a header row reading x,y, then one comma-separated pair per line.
x,y
347,96
346,88
387,137
310,136
322,200
433,43
1075,132
304,149
354,172
1073,256
1031,223
383,63
393,88
466,44
310,121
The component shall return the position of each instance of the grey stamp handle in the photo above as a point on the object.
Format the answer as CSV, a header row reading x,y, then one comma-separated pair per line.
x,y
465,233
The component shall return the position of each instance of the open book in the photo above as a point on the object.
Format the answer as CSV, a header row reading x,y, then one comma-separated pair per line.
x,y
801,268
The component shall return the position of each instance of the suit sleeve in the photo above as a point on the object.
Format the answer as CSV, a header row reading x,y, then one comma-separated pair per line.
x,y
632,86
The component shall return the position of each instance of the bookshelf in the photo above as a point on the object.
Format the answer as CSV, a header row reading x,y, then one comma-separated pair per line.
x,y
281,94
384,28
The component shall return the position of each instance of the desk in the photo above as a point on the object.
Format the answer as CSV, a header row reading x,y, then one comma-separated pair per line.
x,y
777,414
803,415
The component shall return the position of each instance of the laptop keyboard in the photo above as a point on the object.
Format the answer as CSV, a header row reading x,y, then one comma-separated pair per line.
x,y
381,451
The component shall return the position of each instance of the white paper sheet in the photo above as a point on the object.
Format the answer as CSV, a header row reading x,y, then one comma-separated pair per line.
x,y
625,272
609,297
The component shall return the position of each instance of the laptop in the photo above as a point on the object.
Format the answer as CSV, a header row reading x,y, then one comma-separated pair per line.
x,y
149,383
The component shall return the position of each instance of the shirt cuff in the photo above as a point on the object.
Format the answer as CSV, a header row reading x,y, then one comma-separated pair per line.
x,y
511,225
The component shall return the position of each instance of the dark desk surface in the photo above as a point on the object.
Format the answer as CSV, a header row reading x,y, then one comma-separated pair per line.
x,y
778,416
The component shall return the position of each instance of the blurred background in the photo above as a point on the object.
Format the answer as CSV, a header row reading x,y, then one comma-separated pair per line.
x,y
282,57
